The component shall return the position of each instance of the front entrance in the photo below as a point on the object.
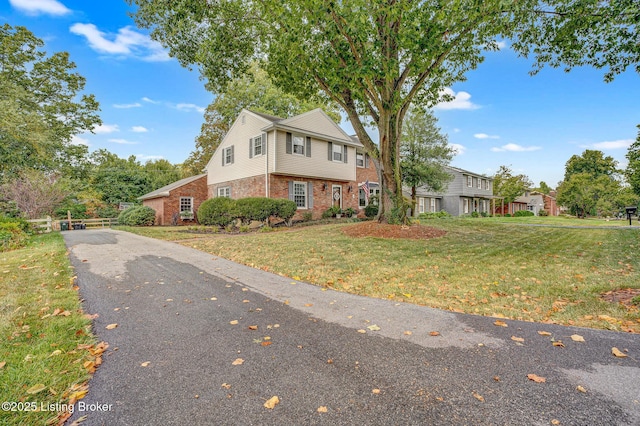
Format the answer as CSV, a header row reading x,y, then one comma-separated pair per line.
x,y
336,195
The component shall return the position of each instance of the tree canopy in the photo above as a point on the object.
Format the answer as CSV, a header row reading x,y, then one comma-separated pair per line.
x,y
376,57
592,162
41,105
508,185
632,171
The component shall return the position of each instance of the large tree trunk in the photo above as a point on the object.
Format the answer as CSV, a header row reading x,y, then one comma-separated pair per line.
x,y
392,207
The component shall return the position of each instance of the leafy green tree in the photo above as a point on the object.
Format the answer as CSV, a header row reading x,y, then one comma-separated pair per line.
x,y
376,58
632,172
586,195
161,173
118,180
254,91
42,106
508,185
544,188
424,153
592,162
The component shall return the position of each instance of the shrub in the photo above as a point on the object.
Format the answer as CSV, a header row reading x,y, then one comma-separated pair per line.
x,y
507,215
350,212
475,214
543,213
307,217
435,215
107,212
219,211
244,229
523,213
484,214
254,208
137,216
14,233
284,209
371,210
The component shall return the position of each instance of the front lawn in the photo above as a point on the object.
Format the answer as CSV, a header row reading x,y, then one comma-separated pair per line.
x,y
486,267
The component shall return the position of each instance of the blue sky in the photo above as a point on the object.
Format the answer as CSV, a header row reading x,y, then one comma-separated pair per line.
x,y
152,107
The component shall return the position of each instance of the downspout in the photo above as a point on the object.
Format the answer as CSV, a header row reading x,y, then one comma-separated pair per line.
x,y
266,165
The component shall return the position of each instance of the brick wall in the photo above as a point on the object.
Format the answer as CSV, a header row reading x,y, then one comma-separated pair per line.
x,y
166,207
241,188
364,174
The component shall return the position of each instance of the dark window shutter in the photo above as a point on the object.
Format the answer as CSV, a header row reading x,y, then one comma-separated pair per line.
x,y
366,160
310,195
231,154
224,154
264,143
330,151
291,190
250,147
289,143
344,153
308,150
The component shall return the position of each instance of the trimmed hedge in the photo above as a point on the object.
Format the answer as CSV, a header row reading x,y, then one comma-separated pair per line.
x,y
222,211
523,213
137,216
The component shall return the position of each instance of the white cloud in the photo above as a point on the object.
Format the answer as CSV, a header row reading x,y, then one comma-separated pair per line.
x,y
512,147
607,145
126,106
139,129
143,157
126,42
485,136
77,140
123,142
456,130
40,7
457,148
461,100
190,107
502,44
106,128
151,101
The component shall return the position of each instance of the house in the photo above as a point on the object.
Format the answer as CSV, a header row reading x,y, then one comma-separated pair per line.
x,y
467,192
534,202
177,202
307,158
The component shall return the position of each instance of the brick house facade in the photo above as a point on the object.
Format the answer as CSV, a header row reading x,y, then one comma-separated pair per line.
x,y
183,196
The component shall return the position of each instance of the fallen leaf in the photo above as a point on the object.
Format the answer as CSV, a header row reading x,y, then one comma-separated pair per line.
x,y
56,352
111,326
214,298
308,304
322,409
36,388
374,328
536,378
496,378
362,331
375,391
272,402
2,364
78,395
238,361
517,339
581,389
577,338
266,343
408,333
618,353
434,333
145,364
559,344
555,422
253,327
500,323
226,386
234,322
544,333
479,397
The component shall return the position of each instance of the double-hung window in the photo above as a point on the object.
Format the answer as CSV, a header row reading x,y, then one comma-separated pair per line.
x,y
470,181
479,184
300,194
227,156
337,152
360,160
298,144
256,146
224,192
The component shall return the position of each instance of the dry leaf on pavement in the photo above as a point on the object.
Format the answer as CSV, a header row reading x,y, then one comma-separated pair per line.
x,y
111,326
618,353
577,338
272,402
238,361
544,333
500,323
322,409
517,339
536,378
479,397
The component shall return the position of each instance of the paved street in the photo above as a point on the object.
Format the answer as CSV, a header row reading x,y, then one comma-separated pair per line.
x,y
185,317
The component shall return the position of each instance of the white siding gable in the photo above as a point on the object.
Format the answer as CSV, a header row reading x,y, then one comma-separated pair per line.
x,y
317,122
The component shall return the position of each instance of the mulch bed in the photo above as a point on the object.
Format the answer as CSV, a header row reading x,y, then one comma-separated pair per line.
x,y
624,296
381,230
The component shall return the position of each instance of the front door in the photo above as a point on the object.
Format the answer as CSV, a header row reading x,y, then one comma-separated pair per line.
x,y
336,191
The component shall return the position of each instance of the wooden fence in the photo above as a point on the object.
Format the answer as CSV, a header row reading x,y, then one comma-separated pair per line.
x,y
47,224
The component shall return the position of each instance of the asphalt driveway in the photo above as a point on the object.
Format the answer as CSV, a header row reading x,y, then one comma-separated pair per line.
x,y
201,340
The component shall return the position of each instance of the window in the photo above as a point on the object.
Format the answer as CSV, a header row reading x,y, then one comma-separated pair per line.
x,y
469,181
298,144
337,152
479,183
433,205
487,185
186,204
255,148
359,160
227,156
362,201
300,194
421,204
466,205
224,192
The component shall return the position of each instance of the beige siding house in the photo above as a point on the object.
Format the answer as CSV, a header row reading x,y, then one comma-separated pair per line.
x,y
307,158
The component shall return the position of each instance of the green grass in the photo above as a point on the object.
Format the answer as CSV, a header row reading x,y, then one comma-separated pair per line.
x,y
36,346
562,221
486,267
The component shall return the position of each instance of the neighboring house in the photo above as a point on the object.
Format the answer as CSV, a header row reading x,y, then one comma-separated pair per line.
x,y
534,202
178,202
467,192
307,158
